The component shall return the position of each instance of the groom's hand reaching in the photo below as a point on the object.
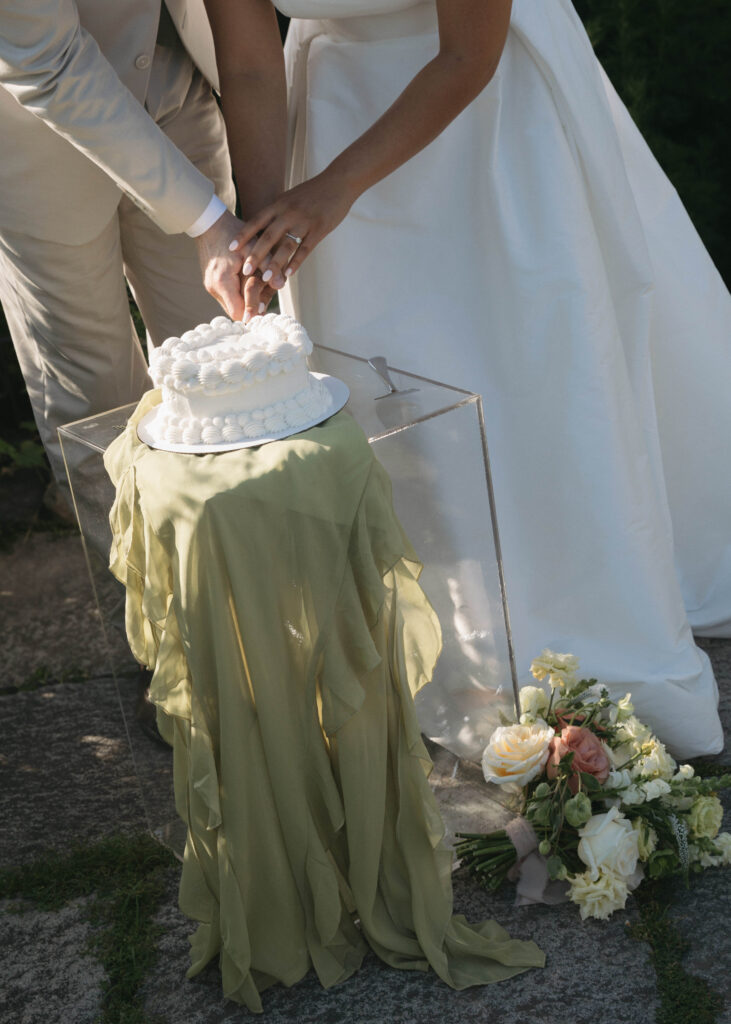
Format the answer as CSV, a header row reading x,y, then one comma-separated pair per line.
x,y
242,298
220,267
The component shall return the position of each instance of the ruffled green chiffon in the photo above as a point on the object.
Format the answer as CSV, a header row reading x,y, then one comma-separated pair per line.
x,y
276,597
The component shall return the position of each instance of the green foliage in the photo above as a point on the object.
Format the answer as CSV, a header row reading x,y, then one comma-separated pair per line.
x,y
14,405
668,60
684,998
578,809
126,876
136,318
44,676
27,453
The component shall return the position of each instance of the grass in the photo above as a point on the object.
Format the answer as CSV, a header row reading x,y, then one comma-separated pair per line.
x,y
43,676
11,532
125,876
684,997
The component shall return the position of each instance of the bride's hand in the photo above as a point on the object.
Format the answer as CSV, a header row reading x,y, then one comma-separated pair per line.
x,y
290,228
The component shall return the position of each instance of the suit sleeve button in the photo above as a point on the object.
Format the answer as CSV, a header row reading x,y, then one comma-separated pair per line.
x,y
142,62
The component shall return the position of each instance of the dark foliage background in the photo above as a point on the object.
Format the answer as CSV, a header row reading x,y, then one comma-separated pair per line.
x,y
669,61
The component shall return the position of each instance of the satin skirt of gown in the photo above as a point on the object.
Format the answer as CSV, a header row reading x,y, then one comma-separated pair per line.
x,y
535,253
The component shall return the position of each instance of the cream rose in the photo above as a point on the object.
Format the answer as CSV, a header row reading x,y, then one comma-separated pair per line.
x,y
705,817
533,701
598,897
517,753
609,843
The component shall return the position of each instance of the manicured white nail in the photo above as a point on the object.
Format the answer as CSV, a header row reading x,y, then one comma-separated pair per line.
x,y
262,307
288,271
247,316
266,275
248,268
233,246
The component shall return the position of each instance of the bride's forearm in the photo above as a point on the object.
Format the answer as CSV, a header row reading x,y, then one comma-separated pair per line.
x,y
433,98
255,111
253,96
472,35
428,104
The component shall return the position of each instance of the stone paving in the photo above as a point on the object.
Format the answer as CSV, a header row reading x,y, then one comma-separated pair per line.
x,y
71,768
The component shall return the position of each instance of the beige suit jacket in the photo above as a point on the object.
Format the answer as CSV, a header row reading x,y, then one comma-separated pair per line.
x,y
73,130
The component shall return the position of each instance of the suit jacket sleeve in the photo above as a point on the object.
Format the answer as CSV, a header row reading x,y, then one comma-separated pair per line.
x,y
55,69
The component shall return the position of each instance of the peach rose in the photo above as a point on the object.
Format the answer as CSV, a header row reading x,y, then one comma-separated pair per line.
x,y
590,755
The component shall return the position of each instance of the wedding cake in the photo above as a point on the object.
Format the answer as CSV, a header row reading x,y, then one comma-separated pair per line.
x,y
226,382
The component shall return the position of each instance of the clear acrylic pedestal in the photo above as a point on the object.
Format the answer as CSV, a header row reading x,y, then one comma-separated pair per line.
x,y
430,438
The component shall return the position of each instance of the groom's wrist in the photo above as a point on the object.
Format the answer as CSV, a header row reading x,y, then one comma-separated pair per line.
x,y
212,213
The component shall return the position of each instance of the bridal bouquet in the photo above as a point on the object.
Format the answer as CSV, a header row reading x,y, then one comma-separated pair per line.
x,y
604,804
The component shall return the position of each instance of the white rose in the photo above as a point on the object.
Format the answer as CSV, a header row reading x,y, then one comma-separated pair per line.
x,y
561,669
598,897
685,771
609,843
653,788
533,701
517,753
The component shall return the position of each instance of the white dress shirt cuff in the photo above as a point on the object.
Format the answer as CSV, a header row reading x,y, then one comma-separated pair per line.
x,y
215,209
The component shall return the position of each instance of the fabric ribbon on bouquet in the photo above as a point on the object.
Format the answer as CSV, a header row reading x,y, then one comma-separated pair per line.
x,y
530,871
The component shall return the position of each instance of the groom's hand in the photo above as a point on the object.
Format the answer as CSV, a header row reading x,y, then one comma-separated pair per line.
x,y
220,267
257,296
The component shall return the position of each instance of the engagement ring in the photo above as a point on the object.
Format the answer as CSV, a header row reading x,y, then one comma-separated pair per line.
x,y
295,238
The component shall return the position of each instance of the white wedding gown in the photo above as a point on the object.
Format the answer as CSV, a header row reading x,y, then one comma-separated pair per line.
x,y
537,254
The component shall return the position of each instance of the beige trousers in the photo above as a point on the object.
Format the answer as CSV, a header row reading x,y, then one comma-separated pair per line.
x,y
66,305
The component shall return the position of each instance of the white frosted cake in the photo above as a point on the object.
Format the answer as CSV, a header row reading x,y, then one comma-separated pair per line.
x,y
227,382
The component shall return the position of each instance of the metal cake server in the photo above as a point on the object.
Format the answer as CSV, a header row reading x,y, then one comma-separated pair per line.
x,y
378,363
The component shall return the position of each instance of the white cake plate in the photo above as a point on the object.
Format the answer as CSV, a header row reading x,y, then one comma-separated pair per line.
x,y
339,394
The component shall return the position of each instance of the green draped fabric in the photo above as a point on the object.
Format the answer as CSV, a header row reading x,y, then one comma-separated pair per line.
x,y
275,595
